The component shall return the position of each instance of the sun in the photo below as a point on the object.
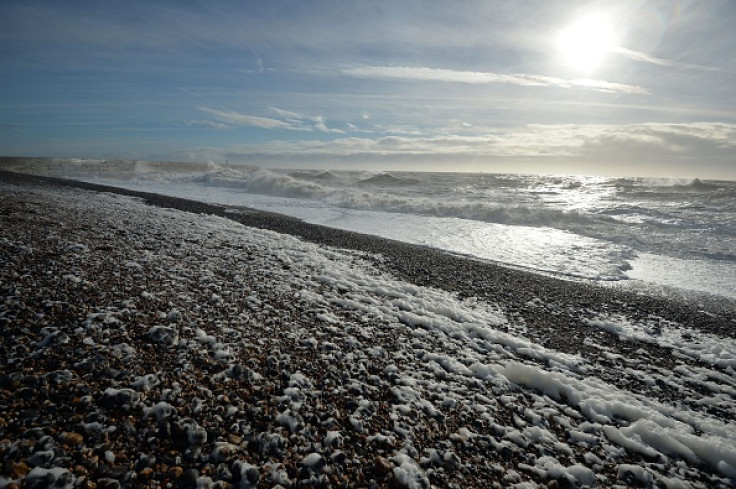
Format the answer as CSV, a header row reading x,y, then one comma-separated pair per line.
x,y
585,44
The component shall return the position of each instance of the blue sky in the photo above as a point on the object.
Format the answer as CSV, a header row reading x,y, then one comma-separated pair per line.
x,y
638,88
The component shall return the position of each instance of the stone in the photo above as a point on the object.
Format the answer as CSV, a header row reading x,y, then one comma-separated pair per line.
x,y
108,483
20,470
381,465
234,439
189,479
71,438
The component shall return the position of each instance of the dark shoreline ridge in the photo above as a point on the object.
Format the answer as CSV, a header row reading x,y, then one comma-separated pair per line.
x,y
148,347
464,275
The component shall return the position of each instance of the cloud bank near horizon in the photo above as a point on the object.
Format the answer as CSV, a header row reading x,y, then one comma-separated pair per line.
x,y
543,148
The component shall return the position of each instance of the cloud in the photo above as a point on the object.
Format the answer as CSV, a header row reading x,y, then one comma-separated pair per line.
x,y
286,114
681,150
646,58
201,122
635,142
238,119
317,122
697,141
320,125
475,77
260,68
289,120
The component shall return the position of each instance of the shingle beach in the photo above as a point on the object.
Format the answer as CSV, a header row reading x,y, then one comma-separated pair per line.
x,y
149,341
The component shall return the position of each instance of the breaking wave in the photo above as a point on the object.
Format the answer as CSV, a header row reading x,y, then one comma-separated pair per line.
x,y
690,219
254,181
387,179
486,212
699,185
358,197
662,185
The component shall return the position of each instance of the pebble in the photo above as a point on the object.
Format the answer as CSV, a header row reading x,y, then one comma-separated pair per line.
x,y
234,439
188,479
20,470
382,466
176,471
285,358
71,438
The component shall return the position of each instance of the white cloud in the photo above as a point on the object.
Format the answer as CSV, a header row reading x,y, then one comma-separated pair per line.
x,y
599,85
204,122
701,150
646,58
236,118
532,141
476,77
260,68
320,125
286,114
292,121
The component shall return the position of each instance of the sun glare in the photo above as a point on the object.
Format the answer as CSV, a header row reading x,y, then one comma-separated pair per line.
x,y
585,44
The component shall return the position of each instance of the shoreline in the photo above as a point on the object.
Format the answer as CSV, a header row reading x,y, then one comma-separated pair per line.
x,y
694,309
149,346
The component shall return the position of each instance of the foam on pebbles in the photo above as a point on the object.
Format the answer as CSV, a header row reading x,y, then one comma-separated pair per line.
x,y
149,347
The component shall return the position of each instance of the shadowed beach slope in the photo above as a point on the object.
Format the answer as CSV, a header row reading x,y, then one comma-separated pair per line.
x,y
152,340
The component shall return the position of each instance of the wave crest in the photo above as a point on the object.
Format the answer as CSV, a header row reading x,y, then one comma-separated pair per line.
x,y
387,179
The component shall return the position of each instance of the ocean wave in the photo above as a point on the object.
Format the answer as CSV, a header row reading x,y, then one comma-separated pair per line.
x,y
667,185
387,179
319,175
282,185
302,185
326,175
252,180
476,211
698,185
683,218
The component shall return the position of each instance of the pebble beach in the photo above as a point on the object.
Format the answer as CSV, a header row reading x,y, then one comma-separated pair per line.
x,y
150,341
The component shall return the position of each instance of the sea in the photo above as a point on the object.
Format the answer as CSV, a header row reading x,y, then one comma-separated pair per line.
x,y
658,234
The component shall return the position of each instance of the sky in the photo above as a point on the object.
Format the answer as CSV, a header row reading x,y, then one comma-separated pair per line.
x,y
632,87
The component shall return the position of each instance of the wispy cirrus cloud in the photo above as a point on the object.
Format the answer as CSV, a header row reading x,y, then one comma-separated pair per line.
x,y
646,58
207,123
238,119
288,120
478,77
286,114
